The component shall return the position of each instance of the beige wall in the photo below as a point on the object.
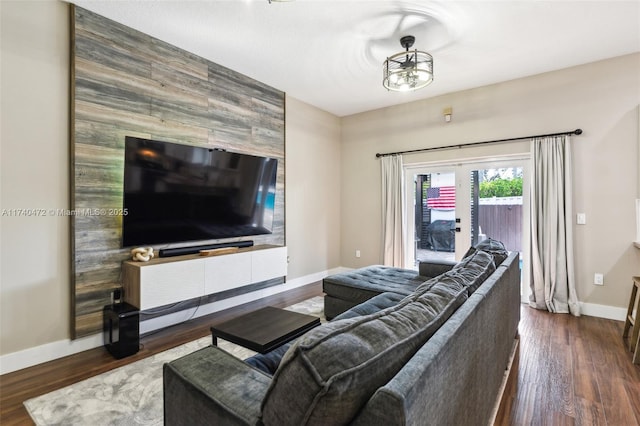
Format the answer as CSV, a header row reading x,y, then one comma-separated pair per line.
x,y
601,98
312,148
34,286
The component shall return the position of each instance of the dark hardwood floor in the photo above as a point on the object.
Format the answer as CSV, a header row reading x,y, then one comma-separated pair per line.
x,y
570,370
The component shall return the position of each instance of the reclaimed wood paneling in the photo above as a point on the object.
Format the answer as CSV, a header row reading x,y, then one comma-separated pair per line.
x,y
126,83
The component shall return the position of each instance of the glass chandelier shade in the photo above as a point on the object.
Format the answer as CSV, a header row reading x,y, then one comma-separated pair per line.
x,y
410,70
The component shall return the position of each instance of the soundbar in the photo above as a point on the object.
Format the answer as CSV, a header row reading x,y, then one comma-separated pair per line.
x,y
179,251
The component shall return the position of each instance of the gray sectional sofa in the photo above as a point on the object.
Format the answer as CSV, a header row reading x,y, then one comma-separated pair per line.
x,y
434,356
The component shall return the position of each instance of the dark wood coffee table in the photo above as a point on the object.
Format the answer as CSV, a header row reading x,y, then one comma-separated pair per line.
x,y
265,329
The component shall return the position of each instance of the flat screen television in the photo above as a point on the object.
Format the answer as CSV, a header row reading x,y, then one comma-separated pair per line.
x,y
176,193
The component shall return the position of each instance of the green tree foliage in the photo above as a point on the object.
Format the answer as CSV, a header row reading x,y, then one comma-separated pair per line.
x,y
501,187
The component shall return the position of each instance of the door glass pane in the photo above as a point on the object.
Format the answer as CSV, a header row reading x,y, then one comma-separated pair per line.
x,y
435,216
496,206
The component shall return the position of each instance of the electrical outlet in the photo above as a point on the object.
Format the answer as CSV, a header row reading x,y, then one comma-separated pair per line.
x,y
357,253
598,279
581,218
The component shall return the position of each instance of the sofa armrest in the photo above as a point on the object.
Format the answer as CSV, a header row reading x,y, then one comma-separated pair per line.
x,y
210,386
433,268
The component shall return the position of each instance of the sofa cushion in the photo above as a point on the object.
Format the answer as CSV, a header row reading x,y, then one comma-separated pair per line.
x,y
474,269
364,283
335,368
470,272
373,305
491,246
269,362
334,306
434,267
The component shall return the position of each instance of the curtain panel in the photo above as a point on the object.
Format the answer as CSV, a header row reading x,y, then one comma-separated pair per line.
x,y
393,221
552,265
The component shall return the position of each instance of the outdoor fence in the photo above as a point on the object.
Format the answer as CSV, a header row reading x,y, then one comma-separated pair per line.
x,y
502,222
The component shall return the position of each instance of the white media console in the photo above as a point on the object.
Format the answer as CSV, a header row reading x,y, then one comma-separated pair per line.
x,y
168,280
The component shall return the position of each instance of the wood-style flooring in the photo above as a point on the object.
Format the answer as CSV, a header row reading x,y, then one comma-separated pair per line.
x,y
570,370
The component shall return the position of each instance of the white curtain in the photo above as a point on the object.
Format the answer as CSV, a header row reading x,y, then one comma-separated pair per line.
x,y
393,222
552,269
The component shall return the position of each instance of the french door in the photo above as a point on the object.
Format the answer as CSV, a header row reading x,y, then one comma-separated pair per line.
x,y
450,207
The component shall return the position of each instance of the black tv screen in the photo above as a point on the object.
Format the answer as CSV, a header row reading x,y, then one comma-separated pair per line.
x,y
177,193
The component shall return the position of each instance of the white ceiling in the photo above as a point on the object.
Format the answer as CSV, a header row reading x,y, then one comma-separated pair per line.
x,y
329,53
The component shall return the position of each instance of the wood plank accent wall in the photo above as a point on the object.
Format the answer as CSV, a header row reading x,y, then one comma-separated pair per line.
x,y
128,83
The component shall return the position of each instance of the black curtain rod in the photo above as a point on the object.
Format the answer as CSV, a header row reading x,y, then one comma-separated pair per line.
x,y
572,132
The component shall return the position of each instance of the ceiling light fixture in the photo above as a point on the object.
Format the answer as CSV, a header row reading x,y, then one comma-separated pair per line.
x,y
409,70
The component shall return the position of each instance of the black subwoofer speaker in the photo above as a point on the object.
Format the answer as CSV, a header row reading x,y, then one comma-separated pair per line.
x,y
121,329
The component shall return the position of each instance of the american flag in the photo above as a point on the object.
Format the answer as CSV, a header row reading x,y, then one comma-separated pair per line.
x,y
443,197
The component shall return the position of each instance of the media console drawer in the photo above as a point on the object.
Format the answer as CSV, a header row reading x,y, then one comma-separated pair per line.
x,y
168,281
163,281
225,272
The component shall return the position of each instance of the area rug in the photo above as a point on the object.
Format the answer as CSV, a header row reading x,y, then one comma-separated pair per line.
x,y
132,394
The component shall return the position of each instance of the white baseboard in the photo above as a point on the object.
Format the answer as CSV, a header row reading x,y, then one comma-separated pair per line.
x,y
594,310
603,311
47,352
50,351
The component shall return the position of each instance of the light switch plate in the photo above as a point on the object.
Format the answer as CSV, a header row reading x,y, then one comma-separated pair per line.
x,y
581,218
